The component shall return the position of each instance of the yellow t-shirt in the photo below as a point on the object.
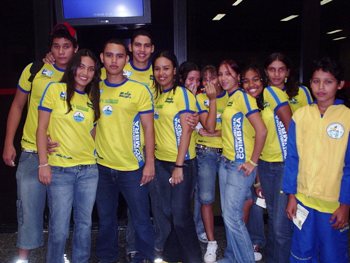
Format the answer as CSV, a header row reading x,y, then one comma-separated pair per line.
x,y
119,135
275,148
72,130
303,98
238,135
47,74
203,102
169,105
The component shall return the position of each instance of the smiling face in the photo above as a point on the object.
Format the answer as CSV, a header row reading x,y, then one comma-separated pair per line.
x,y
164,72
193,79
324,86
252,83
85,72
228,78
276,73
141,49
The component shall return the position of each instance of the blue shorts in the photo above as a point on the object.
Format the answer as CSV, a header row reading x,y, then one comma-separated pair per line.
x,y
318,241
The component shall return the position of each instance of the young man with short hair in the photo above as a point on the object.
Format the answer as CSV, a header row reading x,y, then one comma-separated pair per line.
x,y
31,194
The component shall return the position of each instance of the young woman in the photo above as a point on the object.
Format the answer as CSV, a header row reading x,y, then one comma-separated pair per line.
x,y
190,76
67,111
209,148
243,135
175,156
280,74
317,174
276,114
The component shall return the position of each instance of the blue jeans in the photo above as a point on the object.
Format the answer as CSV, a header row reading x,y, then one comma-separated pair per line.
x,y
31,197
110,184
279,226
234,191
197,215
255,223
71,187
176,209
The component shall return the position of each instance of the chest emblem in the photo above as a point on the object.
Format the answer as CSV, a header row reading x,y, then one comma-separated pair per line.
x,y
78,116
335,130
107,110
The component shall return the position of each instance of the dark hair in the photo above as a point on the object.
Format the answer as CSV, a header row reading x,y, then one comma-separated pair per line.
x,y
330,65
141,32
232,64
209,68
66,31
260,72
185,68
115,41
291,85
92,89
171,56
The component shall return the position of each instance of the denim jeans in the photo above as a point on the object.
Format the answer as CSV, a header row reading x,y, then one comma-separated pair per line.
x,y
176,209
279,226
71,187
130,235
255,225
110,184
197,215
234,190
31,198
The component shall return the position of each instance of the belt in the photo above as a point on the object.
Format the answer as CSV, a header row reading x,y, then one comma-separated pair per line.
x,y
29,151
211,149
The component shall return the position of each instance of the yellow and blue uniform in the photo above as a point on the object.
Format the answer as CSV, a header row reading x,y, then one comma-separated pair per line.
x,y
303,98
275,148
144,76
203,106
118,135
169,105
48,73
238,135
318,172
73,129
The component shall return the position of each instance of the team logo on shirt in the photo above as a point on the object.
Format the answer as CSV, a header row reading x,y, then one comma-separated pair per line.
x,y
206,103
47,73
107,110
151,77
335,130
63,95
293,101
127,73
218,117
156,115
78,116
237,131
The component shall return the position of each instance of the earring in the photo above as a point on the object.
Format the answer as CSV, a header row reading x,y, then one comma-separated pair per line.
x,y
285,80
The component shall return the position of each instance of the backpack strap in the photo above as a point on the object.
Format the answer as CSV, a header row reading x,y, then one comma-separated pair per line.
x,y
34,69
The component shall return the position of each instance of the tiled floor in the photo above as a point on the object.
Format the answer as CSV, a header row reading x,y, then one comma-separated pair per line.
x,y
8,249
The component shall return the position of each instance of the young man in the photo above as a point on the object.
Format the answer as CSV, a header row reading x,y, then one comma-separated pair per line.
x,y
126,106
31,194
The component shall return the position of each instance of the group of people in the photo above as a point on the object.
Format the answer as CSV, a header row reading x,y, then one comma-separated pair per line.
x,y
159,134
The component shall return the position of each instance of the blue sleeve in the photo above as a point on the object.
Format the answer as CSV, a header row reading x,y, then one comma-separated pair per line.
x,y
289,184
344,196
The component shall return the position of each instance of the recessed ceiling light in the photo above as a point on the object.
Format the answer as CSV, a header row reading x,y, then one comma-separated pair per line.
x,y
237,2
323,2
288,18
338,38
218,17
334,31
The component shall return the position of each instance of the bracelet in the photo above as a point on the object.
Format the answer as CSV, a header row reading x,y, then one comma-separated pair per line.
x,y
252,163
179,166
43,165
257,185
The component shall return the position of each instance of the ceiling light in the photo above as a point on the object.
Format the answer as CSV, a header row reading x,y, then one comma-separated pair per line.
x,y
334,31
237,2
218,17
289,18
338,38
323,2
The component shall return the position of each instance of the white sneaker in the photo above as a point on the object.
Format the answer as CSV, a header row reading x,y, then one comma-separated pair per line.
x,y
203,238
257,254
210,254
